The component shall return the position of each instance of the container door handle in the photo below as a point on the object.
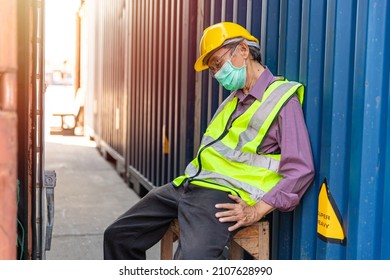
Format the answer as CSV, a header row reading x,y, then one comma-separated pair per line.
x,y
50,183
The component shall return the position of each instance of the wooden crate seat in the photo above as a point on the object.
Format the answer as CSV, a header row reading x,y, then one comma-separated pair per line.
x,y
253,239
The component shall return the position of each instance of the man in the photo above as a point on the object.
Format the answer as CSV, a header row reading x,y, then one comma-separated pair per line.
x,y
255,156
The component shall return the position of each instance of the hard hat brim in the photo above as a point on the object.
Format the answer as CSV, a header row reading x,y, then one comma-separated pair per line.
x,y
199,65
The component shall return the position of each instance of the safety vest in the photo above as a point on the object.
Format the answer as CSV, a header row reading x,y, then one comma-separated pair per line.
x,y
229,159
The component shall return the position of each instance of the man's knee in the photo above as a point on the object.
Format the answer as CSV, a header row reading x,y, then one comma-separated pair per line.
x,y
110,234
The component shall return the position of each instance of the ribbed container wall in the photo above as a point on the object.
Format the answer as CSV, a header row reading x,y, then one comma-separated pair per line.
x,y
337,49
109,85
162,46
330,47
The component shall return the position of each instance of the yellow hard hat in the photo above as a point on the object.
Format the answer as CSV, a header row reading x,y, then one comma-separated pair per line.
x,y
214,37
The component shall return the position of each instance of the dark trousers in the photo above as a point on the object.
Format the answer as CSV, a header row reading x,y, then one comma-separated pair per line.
x,y
202,236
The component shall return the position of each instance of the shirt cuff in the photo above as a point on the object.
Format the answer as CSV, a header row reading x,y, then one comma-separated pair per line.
x,y
282,201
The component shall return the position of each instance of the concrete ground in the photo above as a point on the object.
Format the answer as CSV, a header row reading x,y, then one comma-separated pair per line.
x,y
89,195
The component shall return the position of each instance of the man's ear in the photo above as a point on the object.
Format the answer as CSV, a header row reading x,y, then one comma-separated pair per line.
x,y
244,50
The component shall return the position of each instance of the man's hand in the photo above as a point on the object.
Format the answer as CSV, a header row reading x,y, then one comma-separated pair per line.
x,y
241,213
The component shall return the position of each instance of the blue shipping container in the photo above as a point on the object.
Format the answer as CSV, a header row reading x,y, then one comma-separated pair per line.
x,y
337,49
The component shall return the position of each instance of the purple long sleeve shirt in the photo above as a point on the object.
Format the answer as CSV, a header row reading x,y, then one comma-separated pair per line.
x,y
288,134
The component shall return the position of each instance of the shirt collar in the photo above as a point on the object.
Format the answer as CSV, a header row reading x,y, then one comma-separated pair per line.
x,y
262,83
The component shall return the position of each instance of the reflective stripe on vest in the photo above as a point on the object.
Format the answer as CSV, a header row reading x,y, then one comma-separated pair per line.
x,y
228,157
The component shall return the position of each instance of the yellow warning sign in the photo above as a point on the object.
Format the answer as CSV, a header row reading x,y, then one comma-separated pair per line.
x,y
330,223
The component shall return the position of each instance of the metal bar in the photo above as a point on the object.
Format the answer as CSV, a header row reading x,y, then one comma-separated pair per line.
x,y
357,129
176,102
149,82
293,35
126,78
189,84
270,45
154,104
